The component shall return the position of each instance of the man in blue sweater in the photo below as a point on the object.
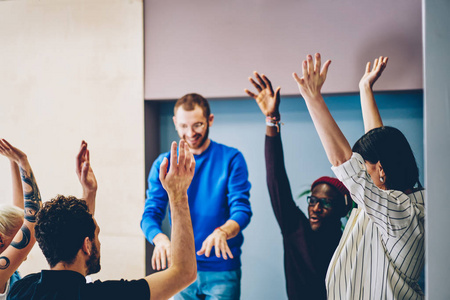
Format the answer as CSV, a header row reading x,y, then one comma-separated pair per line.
x,y
218,202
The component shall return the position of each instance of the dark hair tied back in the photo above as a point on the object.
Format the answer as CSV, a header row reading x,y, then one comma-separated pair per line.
x,y
389,146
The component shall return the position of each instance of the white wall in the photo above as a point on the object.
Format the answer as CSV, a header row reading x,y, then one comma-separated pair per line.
x,y
211,47
437,145
73,70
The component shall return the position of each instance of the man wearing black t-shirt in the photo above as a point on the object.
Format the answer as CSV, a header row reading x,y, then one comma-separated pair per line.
x,y
67,233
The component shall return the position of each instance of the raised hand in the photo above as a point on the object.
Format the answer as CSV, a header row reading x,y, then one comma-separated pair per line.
x,y
84,171
12,153
371,114
180,251
86,176
371,76
310,84
31,195
268,100
14,253
177,179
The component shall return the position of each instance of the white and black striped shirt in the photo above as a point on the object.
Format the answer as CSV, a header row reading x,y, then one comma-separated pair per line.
x,y
381,253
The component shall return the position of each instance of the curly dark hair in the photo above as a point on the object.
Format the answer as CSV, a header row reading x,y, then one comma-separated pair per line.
x,y
62,225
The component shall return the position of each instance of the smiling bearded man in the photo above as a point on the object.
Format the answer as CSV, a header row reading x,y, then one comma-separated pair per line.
x,y
218,202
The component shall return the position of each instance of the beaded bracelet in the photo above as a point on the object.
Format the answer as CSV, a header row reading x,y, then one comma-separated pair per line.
x,y
274,122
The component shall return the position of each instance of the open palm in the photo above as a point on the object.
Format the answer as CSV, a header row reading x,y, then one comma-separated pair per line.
x,y
268,100
10,151
371,76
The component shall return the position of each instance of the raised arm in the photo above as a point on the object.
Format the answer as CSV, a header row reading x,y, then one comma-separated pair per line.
x,y
86,176
16,252
183,268
310,84
16,185
268,101
371,115
288,215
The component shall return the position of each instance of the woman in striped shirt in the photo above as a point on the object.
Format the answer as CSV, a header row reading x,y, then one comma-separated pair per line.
x,y
381,252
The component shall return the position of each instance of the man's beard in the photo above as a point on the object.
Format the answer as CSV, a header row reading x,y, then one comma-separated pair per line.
x,y
205,138
93,263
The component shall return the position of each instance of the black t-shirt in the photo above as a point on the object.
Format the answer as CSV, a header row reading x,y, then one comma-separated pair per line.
x,y
71,285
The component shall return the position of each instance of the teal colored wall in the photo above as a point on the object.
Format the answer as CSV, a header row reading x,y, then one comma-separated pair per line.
x,y
239,123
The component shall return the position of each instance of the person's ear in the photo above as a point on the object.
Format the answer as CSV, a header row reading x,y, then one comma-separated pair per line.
x,y
174,122
87,246
381,173
210,120
341,211
2,243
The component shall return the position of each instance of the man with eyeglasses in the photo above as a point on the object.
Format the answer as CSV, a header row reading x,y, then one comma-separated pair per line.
x,y
218,201
309,243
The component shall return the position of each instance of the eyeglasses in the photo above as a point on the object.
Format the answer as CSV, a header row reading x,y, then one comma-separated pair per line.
x,y
197,127
324,202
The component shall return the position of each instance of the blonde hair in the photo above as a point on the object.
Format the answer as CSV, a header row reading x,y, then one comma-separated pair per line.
x,y
11,218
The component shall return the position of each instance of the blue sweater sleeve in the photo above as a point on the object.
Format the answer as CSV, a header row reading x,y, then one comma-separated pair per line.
x,y
155,203
239,191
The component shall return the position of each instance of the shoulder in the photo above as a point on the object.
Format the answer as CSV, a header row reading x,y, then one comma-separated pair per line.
x,y
34,277
154,171
160,157
22,286
227,157
223,147
228,151
353,173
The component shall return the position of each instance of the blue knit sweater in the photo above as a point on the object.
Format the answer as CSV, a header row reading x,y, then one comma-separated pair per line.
x,y
219,191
